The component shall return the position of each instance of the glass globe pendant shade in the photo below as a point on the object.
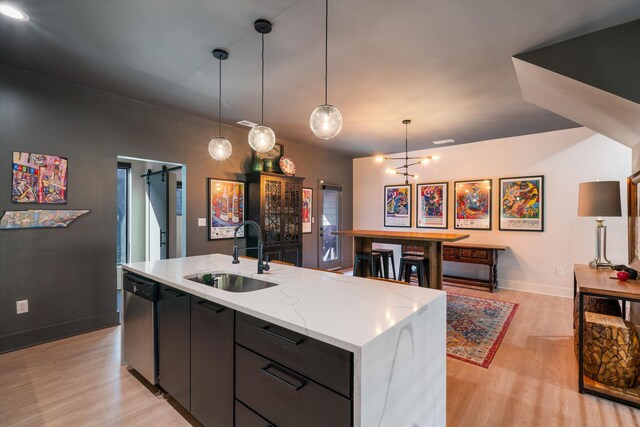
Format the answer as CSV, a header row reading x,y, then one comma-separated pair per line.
x,y
220,148
262,138
326,121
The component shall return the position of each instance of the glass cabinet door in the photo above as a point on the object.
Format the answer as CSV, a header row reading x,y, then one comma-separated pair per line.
x,y
292,211
272,226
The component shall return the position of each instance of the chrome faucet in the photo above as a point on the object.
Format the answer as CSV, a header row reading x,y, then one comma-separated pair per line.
x,y
262,263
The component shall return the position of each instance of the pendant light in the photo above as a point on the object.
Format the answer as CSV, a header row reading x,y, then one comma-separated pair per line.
x,y
261,137
408,161
219,147
326,120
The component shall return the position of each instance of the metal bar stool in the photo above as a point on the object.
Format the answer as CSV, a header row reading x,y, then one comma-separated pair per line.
x,y
422,268
386,255
365,265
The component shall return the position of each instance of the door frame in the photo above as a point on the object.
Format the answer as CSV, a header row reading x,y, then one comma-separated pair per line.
x,y
319,223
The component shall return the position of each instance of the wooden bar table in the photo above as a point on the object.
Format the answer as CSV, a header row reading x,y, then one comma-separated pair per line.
x,y
431,242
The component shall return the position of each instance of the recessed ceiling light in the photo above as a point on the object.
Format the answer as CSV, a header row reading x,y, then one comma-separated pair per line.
x,y
13,12
443,141
247,123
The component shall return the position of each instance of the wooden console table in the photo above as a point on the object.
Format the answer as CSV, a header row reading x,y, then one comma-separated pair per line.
x,y
589,281
474,254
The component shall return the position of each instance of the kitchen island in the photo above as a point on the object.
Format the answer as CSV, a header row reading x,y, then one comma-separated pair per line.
x,y
394,338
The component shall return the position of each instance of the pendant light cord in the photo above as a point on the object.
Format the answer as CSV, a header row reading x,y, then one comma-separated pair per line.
x,y
262,107
326,49
220,100
406,154
406,142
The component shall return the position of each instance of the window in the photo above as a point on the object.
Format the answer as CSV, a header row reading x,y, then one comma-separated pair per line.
x,y
122,202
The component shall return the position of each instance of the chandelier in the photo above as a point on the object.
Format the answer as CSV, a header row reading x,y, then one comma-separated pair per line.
x,y
408,161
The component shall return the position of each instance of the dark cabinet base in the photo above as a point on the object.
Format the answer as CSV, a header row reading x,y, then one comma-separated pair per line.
x,y
174,327
212,361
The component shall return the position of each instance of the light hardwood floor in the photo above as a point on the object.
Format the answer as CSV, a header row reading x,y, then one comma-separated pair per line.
x,y
532,380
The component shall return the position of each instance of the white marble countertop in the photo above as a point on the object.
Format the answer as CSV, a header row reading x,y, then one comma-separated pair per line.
x,y
348,312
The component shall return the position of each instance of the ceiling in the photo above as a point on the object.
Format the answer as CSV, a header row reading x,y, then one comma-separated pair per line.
x,y
444,64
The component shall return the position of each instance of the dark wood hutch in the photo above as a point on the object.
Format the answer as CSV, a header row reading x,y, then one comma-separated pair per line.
x,y
275,202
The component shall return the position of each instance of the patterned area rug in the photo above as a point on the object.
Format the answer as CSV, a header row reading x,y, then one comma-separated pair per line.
x,y
476,326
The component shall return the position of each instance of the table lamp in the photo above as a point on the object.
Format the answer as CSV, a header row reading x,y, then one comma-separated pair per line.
x,y
599,199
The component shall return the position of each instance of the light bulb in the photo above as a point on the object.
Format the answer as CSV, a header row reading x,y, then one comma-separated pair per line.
x,y
262,138
378,159
436,157
220,148
14,13
424,162
415,176
326,121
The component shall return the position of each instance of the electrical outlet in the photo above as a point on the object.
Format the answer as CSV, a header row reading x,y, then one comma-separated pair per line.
x,y
559,271
202,222
22,306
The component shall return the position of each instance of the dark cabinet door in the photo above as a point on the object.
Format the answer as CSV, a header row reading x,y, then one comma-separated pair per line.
x,y
174,343
212,363
275,202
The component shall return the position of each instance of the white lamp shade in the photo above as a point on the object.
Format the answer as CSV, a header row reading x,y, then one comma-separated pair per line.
x,y
326,121
262,138
220,148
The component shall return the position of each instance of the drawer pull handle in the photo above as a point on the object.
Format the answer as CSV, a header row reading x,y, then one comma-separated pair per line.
x,y
295,387
209,306
173,292
267,329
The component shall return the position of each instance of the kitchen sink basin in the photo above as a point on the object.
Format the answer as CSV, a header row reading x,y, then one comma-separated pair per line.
x,y
230,282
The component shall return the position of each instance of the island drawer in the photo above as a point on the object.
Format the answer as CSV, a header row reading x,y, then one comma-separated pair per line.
x,y
321,362
245,417
285,397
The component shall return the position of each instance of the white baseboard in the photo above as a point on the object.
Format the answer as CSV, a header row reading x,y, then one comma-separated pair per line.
x,y
535,288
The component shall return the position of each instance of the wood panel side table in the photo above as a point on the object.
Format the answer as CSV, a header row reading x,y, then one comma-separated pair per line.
x,y
592,282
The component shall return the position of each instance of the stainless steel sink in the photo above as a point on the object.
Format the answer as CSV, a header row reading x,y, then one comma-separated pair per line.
x,y
230,282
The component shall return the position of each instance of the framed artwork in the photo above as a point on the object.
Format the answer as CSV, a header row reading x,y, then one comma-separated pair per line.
x,y
397,205
225,201
272,157
431,205
521,203
307,210
634,219
38,178
473,204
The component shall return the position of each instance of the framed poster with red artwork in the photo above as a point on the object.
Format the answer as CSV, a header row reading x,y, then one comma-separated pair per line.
x,y
307,209
473,204
226,208
38,178
432,204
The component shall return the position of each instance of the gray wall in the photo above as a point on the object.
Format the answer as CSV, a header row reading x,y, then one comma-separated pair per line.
x,y
69,275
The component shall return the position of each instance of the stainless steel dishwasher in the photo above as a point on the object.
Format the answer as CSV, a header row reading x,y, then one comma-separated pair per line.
x,y
140,349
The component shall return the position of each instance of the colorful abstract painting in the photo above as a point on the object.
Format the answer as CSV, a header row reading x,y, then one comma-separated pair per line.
x,y
39,178
432,205
521,207
397,211
39,218
226,208
473,204
307,209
